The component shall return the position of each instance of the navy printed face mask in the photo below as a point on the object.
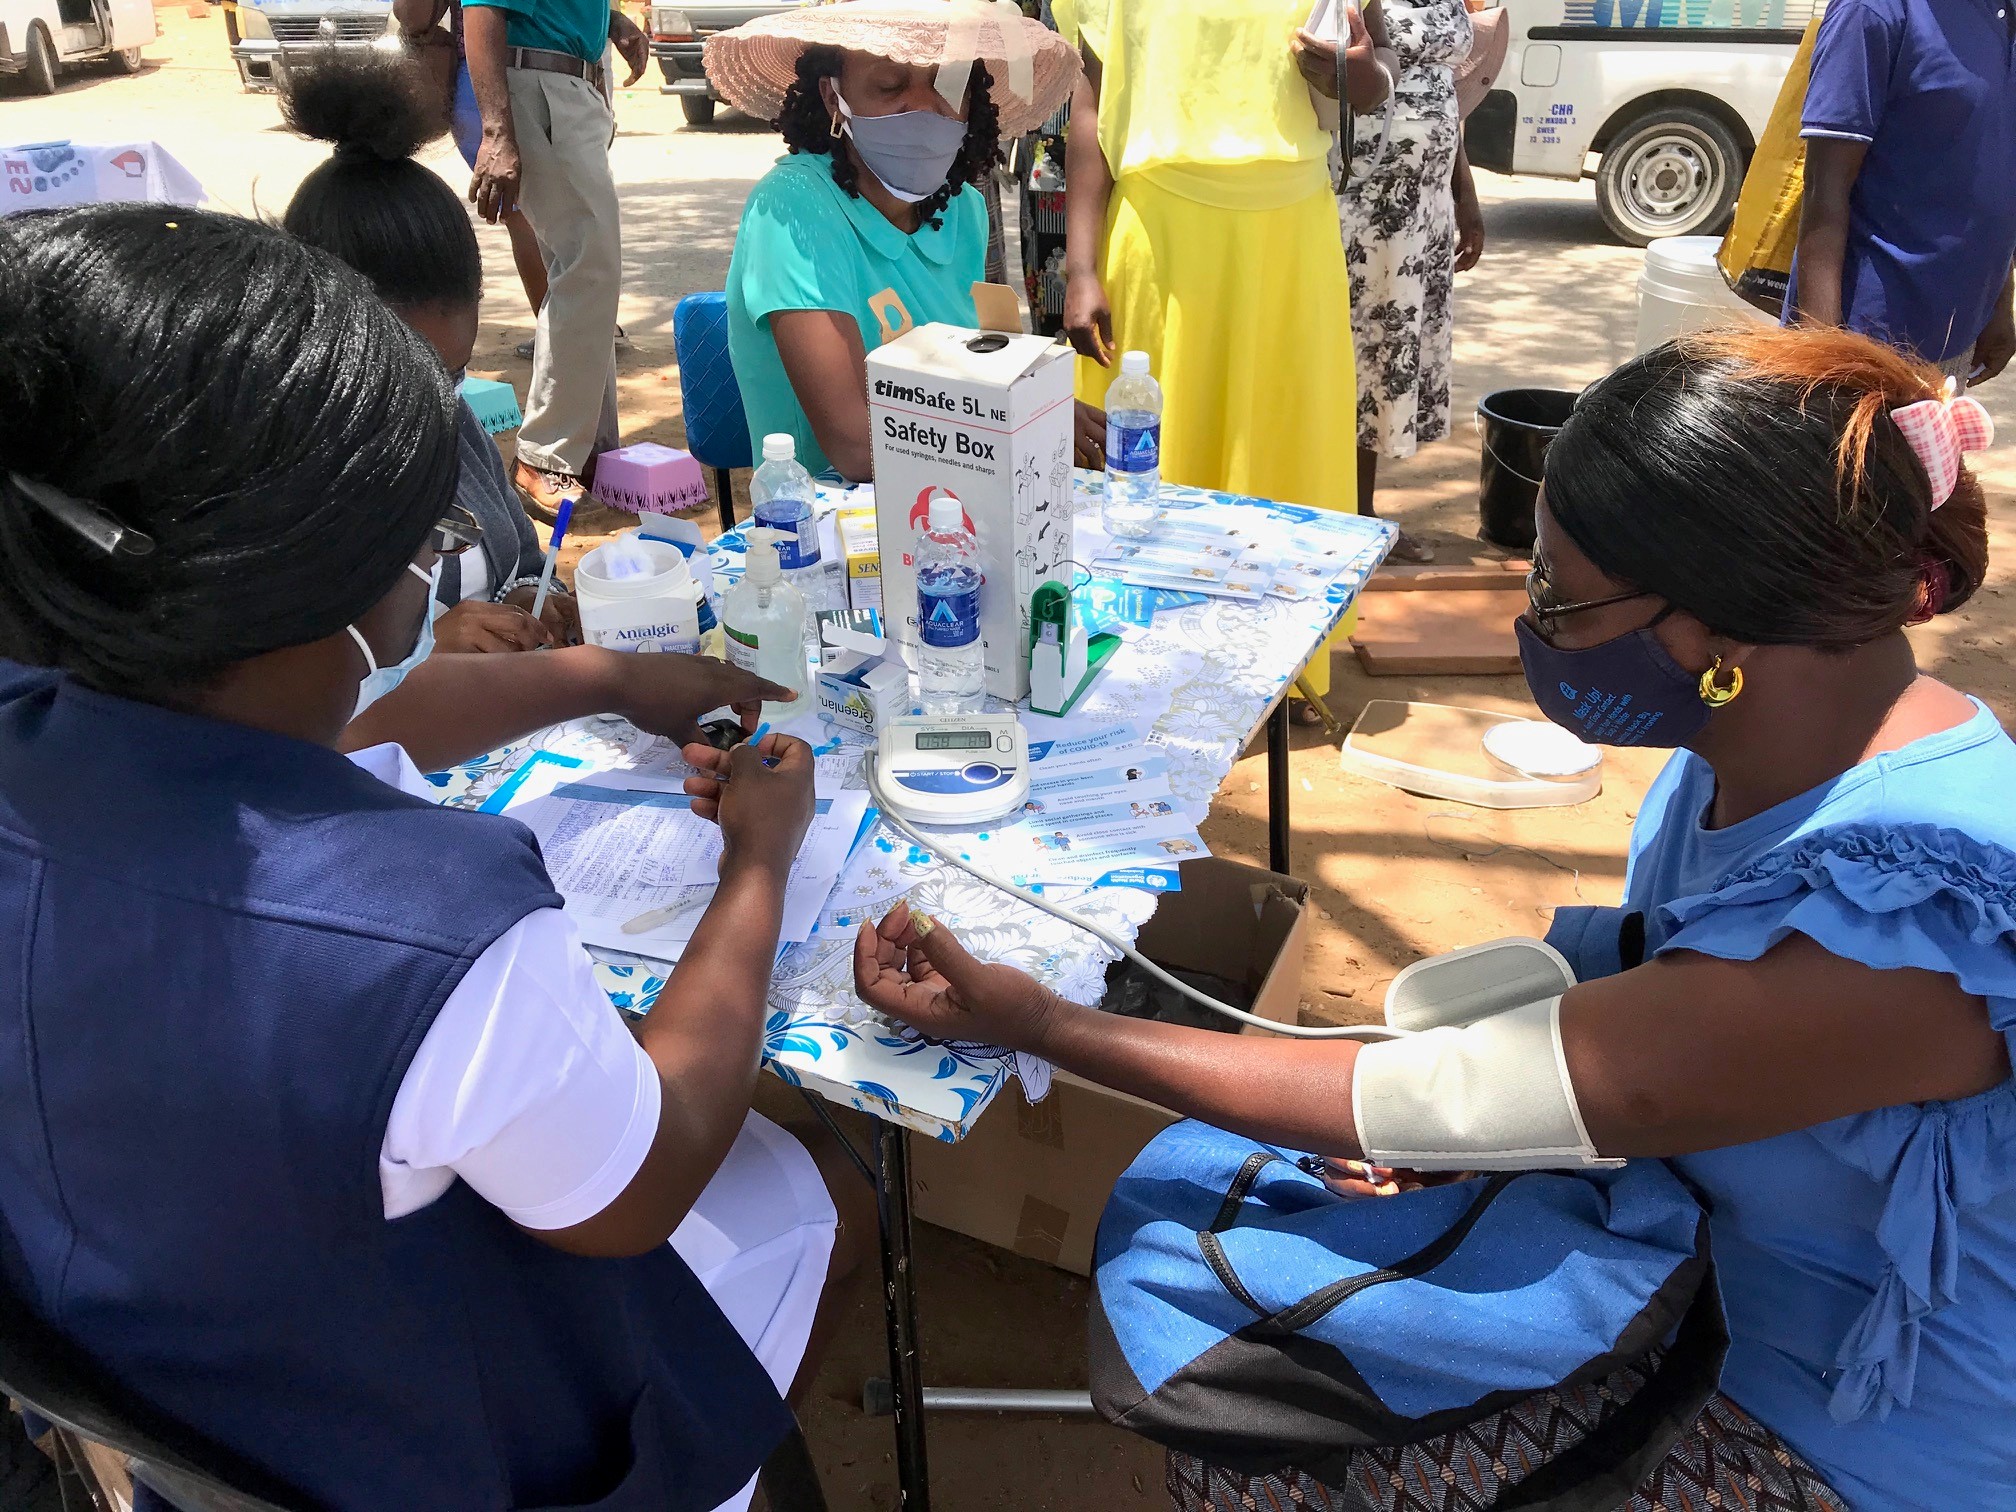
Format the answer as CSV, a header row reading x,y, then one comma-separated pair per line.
x,y
1625,691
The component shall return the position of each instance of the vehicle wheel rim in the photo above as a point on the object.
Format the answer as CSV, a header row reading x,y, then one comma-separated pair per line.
x,y
1668,180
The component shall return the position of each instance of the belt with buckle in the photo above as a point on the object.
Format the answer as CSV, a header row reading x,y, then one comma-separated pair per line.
x,y
542,60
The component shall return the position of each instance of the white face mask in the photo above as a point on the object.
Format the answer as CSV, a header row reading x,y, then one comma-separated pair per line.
x,y
911,152
382,680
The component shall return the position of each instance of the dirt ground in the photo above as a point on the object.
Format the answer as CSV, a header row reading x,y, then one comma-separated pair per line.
x,y
1395,877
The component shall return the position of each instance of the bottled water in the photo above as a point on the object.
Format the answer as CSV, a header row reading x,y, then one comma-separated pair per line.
x,y
951,670
782,493
1133,450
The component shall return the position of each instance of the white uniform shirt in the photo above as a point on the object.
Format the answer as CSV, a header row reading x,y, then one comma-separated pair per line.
x,y
528,1085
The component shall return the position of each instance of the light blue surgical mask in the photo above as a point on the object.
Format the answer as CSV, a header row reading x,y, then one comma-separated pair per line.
x,y
382,680
912,151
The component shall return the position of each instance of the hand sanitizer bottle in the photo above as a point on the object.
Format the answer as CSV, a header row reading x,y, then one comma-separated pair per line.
x,y
764,620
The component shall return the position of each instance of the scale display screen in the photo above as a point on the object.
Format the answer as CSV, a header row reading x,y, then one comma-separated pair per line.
x,y
955,740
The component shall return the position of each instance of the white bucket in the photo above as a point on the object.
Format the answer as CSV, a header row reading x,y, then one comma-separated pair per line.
x,y
1681,290
654,611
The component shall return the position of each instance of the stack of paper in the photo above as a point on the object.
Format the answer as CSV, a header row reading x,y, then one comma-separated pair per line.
x,y
1194,555
637,867
1100,813
1197,551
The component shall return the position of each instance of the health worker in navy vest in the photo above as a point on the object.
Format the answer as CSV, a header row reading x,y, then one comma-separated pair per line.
x,y
315,1130
873,223
1807,997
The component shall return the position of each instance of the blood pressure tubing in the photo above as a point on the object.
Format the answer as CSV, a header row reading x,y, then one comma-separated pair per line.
x,y
1113,941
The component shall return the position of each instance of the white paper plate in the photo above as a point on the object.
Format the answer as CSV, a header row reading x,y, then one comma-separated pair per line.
x,y
1541,748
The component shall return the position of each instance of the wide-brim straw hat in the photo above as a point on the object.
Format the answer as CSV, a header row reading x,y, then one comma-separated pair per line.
x,y
1032,67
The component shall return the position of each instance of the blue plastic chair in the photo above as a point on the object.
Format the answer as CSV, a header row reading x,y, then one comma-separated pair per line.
x,y
717,430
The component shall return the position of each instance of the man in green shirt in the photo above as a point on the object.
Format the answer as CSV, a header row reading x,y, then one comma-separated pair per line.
x,y
543,91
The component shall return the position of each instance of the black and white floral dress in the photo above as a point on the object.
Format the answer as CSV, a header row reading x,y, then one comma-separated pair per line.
x,y
1400,234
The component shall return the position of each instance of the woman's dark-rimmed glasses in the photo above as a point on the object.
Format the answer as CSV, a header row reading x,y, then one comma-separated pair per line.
x,y
1547,610
455,532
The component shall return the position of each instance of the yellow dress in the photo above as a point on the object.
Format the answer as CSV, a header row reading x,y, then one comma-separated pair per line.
x,y
1223,259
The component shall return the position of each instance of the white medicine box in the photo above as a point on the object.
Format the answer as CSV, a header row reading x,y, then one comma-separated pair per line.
x,y
987,418
863,684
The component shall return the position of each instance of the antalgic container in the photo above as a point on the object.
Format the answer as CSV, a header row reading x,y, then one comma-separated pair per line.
x,y
639,595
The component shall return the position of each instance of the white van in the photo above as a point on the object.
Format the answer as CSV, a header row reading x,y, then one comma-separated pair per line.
x,y
41,38
1661,101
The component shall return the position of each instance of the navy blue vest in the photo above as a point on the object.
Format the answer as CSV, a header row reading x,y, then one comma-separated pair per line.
x,y
219,950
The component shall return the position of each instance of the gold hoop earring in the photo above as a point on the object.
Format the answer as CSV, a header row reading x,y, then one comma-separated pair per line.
x,y
1718,696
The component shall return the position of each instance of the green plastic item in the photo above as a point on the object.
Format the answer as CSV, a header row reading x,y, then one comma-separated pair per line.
x,y
1063,660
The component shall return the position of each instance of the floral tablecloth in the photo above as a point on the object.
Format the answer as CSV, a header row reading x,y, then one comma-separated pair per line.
x,y
1197,677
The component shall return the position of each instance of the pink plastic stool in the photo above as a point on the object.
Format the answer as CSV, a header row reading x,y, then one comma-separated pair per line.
x,y
648,476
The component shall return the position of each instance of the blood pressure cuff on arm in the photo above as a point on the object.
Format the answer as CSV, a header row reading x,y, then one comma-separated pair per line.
x,y
1493,1095
1598,942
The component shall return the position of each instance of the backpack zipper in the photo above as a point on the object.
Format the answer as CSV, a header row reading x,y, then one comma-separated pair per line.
x,y
1228,1210
1319,1304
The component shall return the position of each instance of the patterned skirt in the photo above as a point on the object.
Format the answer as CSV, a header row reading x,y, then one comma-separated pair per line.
x,y
1727,1459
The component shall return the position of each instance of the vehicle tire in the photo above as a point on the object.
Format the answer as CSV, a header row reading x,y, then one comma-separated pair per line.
x,y
1673,172
126,61
698,109
43,70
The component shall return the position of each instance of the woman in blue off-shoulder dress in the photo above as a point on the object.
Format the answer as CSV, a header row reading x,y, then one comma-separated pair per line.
x,y
1807,998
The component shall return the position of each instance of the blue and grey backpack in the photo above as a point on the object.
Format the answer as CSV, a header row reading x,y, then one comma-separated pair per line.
x,y
1246,1314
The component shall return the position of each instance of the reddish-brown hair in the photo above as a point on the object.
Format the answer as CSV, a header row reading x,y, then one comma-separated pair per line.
x,y
1755,478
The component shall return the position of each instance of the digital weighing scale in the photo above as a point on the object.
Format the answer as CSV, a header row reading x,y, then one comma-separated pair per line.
x,y
952,769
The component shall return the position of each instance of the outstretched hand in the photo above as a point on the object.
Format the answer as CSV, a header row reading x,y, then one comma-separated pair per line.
x,y
667,694
913,968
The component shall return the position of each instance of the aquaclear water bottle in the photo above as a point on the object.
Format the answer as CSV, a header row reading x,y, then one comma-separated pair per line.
x,y
1133,450
782,493
951,671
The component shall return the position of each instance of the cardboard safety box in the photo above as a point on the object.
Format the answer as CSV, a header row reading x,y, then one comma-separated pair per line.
x,y
1034,1177
987,418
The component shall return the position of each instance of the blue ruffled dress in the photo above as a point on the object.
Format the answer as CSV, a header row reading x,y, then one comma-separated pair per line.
x,y
1868,1265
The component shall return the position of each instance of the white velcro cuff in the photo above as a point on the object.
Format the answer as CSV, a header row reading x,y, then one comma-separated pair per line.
x,y
1493,1096
1462,986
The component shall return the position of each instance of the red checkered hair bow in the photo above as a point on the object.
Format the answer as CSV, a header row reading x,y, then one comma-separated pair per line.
x,y
1939,430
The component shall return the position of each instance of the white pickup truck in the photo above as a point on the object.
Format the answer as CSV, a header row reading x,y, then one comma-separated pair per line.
x,y
1660,101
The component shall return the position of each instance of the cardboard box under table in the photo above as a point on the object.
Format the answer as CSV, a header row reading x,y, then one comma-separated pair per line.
x,y
1036,1182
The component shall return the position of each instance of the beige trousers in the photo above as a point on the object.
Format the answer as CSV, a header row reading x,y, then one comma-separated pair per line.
x,y
569,195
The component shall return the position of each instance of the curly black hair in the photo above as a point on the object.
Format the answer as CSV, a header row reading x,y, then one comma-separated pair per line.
x,y
371,204
808,127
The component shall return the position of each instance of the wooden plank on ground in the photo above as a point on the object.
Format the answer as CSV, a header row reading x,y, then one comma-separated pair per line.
x,y
1464,575
1415,634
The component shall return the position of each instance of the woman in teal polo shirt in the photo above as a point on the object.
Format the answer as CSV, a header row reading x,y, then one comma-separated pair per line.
x,y
872,223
